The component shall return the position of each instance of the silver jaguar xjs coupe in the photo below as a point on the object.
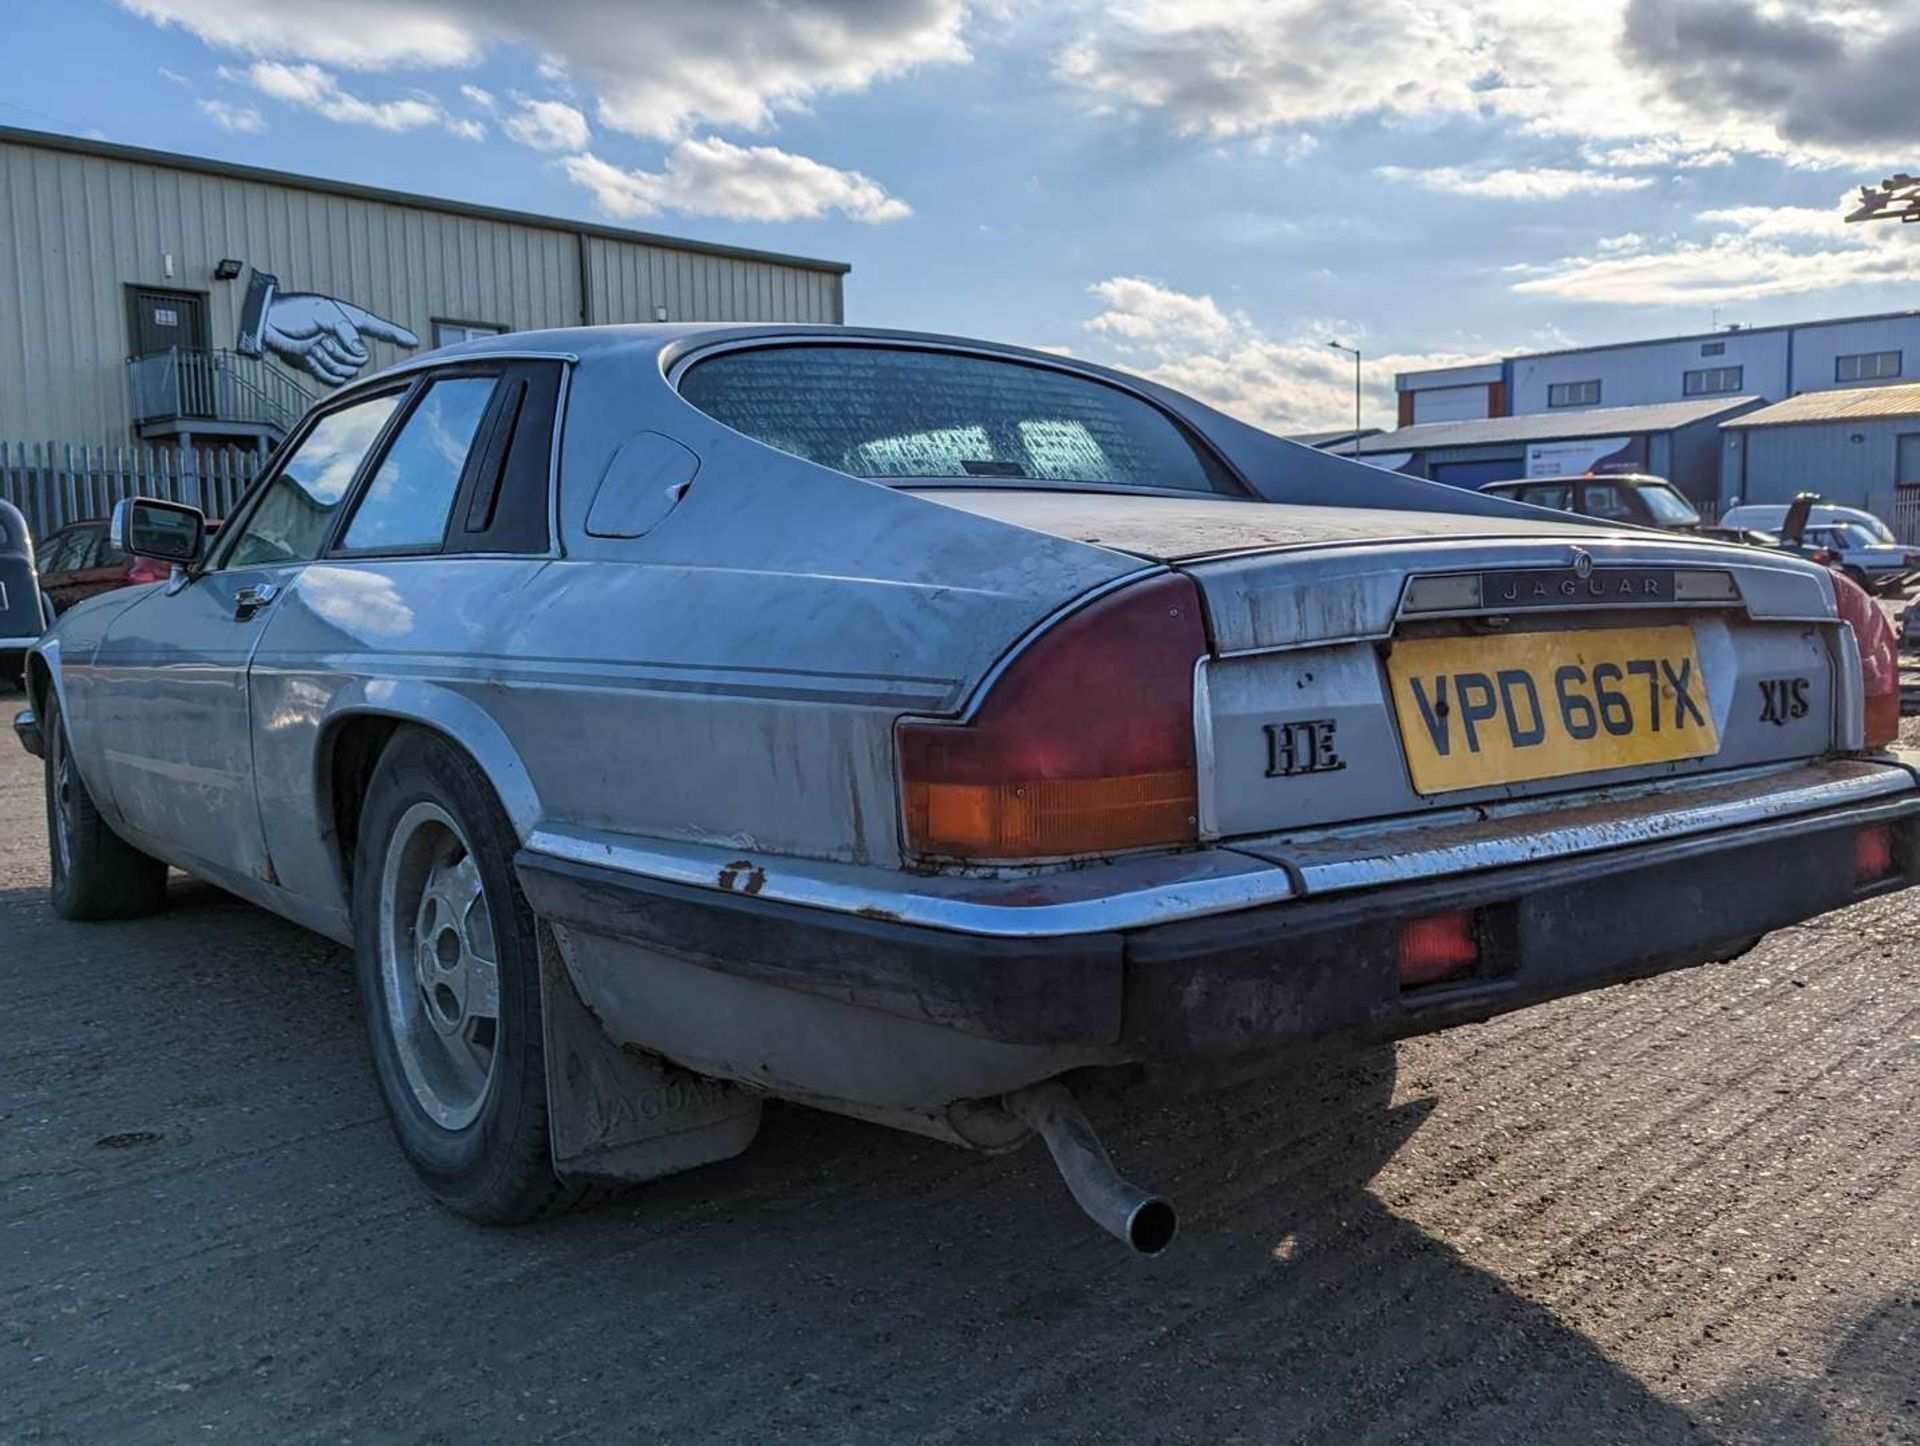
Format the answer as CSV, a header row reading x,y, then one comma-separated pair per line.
x,y
926,729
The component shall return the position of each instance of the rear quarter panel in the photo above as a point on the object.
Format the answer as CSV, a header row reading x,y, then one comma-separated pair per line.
x,y
731,678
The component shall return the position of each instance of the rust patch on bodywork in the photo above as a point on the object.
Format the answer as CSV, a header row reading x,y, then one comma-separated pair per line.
x,y
745,875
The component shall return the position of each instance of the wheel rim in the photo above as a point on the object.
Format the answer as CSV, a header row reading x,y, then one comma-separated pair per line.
x,y
62,811
439,967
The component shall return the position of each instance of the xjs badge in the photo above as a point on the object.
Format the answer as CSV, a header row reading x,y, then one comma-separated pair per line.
x,y
1782,700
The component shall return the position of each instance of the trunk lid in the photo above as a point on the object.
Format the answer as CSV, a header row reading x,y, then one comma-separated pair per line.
x,y
1343,638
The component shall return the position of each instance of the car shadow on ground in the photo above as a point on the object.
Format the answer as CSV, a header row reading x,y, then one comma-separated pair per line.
x,y
266,1255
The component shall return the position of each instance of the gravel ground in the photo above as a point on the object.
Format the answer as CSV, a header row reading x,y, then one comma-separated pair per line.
x,y
1681,1210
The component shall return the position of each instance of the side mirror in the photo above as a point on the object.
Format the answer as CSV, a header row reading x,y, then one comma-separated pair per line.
x,y
164,531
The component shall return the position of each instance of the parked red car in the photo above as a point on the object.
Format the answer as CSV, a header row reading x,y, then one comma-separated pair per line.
x,y
79,562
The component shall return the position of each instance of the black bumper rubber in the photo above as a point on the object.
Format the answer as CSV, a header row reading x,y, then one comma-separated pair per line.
x,y
1304,970
26,727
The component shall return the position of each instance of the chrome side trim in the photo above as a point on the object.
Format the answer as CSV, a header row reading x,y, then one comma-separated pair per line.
x,y
1123,895
24,642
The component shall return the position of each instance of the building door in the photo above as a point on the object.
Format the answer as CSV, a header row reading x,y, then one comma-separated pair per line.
x,y
163,320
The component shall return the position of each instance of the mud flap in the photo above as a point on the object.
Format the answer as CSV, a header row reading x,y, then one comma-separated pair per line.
x,y
618,1113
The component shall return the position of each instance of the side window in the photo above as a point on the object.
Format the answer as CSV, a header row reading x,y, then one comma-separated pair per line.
x,y
290,522
411,496
53,554
1559,497
101,552
1604,499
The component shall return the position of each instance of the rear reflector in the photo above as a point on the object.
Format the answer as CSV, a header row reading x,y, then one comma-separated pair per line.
x,y
1438,947
1874,861
1084,745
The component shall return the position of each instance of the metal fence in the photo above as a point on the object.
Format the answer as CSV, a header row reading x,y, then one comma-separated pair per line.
x,y
185,383
55,483
1900,511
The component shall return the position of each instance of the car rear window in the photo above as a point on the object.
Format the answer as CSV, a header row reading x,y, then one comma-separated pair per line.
x,y
1669,507
898,414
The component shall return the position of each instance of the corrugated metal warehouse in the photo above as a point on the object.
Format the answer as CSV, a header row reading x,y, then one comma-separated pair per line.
x,y
1676,440
1860,448
165,298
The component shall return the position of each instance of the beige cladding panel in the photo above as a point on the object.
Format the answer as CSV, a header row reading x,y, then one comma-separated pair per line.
x,y
79,229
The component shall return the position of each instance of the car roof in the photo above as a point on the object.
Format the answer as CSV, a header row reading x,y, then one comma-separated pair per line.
x,y
669,341
1637,479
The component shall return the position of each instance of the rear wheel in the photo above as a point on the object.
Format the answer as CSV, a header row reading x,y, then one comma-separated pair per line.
x,y
96,873
448,963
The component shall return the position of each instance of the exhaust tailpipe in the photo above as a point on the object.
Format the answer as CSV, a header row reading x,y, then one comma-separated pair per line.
x,y
1126,1212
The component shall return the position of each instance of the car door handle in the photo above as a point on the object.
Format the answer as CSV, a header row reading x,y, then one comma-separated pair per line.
x,y
249,600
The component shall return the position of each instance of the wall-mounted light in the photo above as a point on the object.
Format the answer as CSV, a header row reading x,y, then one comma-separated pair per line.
x,y
227,270
659,313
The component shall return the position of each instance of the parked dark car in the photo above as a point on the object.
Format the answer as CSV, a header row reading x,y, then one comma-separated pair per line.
x,y
1630,497
21,617
80,561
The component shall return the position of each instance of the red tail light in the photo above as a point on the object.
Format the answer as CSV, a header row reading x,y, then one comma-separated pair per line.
x,y
145,569
1879,659
1436,947
1083,745
1874,859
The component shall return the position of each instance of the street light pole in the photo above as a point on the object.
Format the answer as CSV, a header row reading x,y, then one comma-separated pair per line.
x,y
1354,352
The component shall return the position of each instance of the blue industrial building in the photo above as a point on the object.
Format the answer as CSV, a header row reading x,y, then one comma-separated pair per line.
x,y
1856,447
1536,414
1676,440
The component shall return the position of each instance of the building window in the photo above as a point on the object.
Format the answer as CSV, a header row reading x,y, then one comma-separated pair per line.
x,y
1713,348
446,333
1708,381
1573,394
1866,366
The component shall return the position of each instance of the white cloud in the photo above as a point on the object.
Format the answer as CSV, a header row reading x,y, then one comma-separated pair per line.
x,y
547,125
1662,154
358,34
1220,68
706,176
657,70
1638,82
1753,251
477,96
312,88
240,118
1137,310
1289,383
1545,183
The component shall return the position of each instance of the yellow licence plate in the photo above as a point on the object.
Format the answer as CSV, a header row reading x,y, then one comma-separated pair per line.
x,y
1515,707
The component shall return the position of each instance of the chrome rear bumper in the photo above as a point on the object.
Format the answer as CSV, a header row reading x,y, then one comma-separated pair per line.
x,y
1246,873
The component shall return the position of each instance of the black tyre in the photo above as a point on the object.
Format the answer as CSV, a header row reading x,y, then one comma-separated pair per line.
x,y
447,954
96,873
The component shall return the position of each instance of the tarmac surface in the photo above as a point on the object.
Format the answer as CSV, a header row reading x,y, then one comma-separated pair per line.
x,y
1685,1210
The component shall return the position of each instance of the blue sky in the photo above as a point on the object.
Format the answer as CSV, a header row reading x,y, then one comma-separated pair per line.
x,y
1200,190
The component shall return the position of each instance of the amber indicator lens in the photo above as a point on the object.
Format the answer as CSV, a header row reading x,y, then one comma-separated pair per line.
x,y
1084,745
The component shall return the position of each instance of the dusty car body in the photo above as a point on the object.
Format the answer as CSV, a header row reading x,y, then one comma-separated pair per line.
x,y
21,608
921,793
